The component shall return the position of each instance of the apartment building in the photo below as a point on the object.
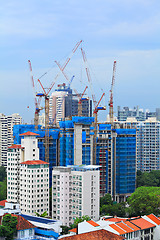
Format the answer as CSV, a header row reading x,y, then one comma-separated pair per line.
x,y
75,193
6,134
27,177
34,187
148,143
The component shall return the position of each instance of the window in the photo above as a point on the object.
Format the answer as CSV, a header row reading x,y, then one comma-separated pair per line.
x,y
22,233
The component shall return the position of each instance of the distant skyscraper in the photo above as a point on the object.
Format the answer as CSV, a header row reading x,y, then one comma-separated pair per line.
x,y
63,103
139,114
6,134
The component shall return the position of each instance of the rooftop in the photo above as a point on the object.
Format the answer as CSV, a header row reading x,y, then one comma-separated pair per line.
x,y
34,162
142,223
15,146
22,222
29,134
2,203
99,234
38,219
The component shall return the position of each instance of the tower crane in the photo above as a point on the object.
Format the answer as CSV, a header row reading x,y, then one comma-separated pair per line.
x,y
45,94
111,117
95,112
36,101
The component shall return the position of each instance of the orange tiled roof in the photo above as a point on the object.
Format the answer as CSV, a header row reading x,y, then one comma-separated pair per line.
x,y
99,234
142,223
132,225
34,162
125,227
154,218
2,203
15,146
73,230
29,134
115,219
22,222
117,228
94,224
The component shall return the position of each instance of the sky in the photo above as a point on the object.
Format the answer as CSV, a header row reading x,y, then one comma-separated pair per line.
x,y
127,31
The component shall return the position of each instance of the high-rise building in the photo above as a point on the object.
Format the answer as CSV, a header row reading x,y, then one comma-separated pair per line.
x,y
6,134
27,177
76,148
63,103
148,145
123,168
34,187
75,193
76,141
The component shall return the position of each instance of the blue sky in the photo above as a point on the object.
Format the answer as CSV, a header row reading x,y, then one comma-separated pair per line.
x,y
44,31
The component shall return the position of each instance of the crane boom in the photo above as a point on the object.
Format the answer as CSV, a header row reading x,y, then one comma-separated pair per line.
x,y
64,65
111,95
37,103
89,77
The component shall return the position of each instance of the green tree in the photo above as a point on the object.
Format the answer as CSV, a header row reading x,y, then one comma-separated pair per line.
x,y
106,200
147,179
144,200
8,227
44,214
3,189
65,230
3,173
117,209
79,220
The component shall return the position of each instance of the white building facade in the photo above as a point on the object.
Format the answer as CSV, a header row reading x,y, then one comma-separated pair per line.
x,y
6,134
75,193
34,187
27,177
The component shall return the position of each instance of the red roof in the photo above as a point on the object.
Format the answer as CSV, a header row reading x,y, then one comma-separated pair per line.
x,y
142,223
117,228
22,222
34,162
2,203
15,146
99,234
73,230
115,219
132,225
154,218
94,224
29,134
125,227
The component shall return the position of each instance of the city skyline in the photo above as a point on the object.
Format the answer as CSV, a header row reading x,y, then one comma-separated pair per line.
x,y
126,31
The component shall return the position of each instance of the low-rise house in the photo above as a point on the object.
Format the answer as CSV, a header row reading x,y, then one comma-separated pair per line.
x,y
25,229
137,228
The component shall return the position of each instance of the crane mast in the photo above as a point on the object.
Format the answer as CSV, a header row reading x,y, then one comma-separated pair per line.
x,y
111,113
95,112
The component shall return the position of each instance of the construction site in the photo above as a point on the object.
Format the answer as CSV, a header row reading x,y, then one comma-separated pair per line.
x,y
70,134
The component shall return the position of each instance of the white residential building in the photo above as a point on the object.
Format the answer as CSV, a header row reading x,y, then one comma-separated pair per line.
x,y
148,143
75,193
27,177
34,187
6,134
